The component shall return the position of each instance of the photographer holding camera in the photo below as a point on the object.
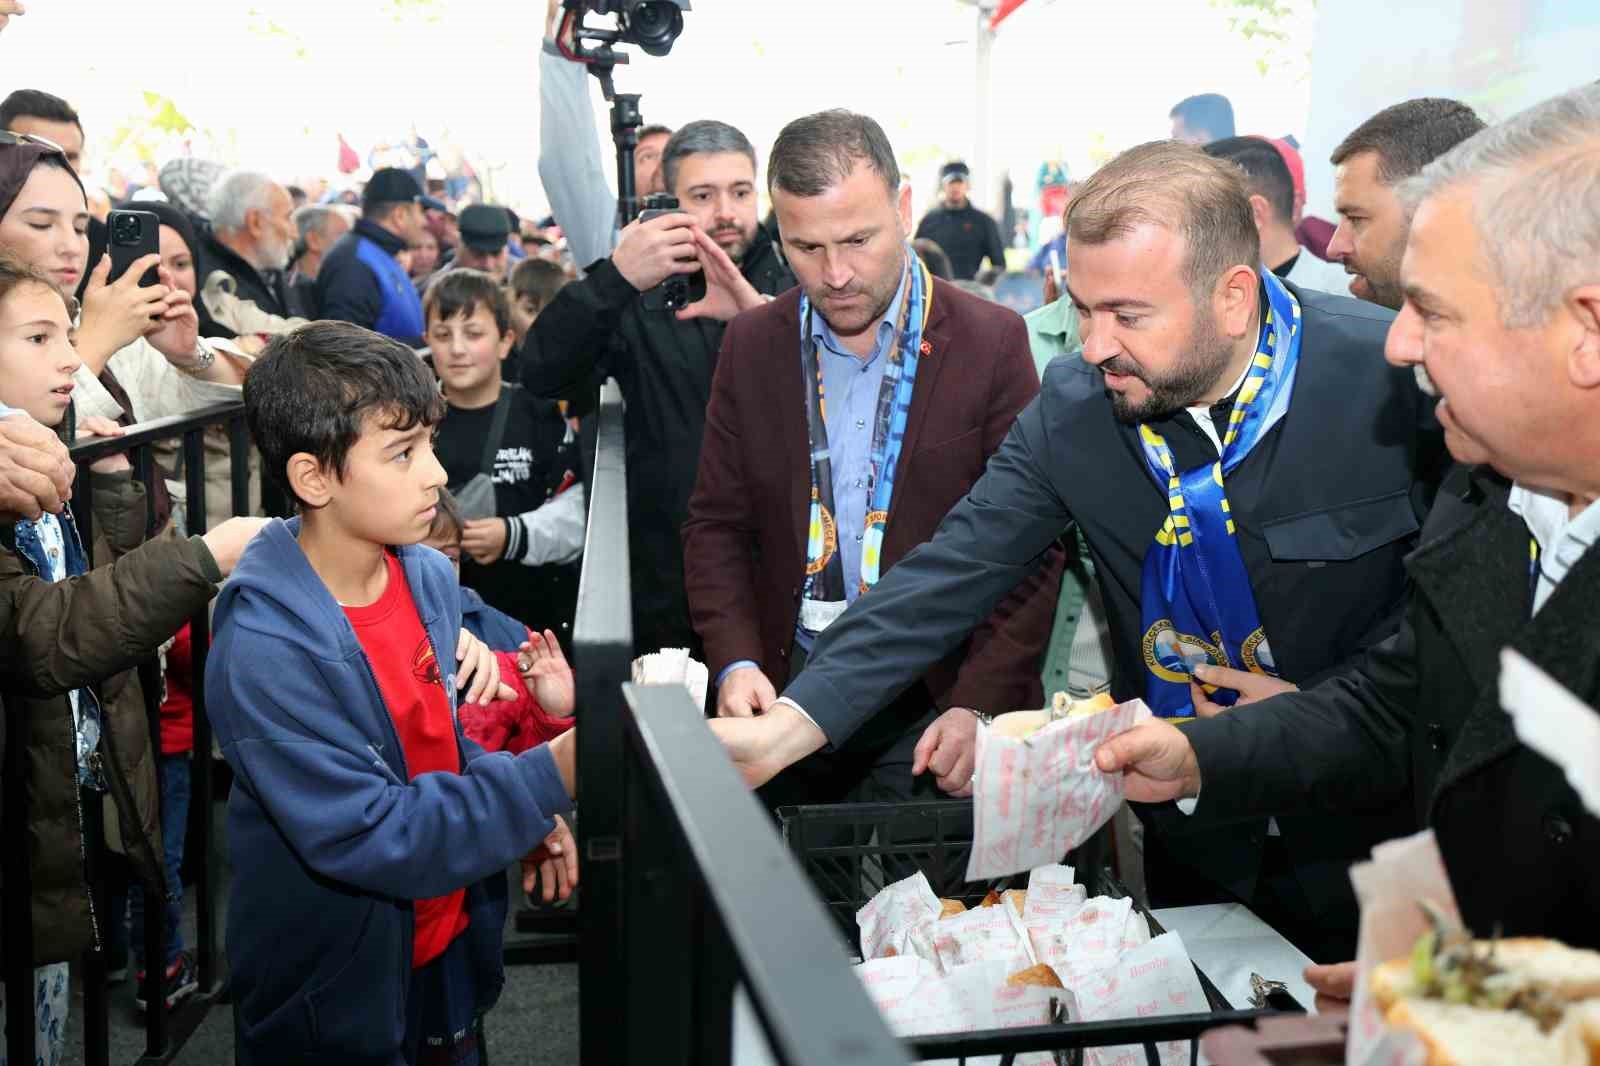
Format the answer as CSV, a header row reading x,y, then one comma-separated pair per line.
x,y
620,322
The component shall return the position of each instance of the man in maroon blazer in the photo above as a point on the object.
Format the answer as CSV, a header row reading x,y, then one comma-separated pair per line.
x,y
846,417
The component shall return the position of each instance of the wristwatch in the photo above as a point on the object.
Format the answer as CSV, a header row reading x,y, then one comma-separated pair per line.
x,y
204,357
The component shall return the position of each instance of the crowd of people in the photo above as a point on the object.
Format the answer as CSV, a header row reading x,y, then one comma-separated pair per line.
x,y
1293,483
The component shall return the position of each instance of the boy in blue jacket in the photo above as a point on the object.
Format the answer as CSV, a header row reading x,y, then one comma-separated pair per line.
x,y
370,837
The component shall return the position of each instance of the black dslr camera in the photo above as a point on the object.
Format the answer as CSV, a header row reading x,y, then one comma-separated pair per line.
x,y
680,290
651,24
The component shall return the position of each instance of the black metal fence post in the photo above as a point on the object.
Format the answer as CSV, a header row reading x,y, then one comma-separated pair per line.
x,y
603,652
17,901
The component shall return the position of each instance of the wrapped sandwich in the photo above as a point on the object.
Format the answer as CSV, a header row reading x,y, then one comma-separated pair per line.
x,y
1528,1000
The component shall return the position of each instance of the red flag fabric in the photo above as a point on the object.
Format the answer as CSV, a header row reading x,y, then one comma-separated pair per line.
x,y
349,161
1006,8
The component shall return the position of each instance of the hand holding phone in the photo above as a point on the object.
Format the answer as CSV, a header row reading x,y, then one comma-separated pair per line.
x,y
131,236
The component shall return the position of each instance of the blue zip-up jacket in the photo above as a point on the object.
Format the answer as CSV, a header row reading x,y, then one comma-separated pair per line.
x,y
361,281
331,838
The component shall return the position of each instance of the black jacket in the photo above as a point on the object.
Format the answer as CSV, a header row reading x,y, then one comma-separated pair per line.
x,y
1327,506
1419,726
266,291
596,328
967,235
360,281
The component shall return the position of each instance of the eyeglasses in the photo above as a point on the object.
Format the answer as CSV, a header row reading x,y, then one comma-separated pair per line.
x,y
13,137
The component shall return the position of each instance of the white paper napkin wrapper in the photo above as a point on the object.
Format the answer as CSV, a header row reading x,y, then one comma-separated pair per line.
x,y
1091,939
900,916
1037,798
983,934
673,666
915,999
1554,723
1053,895
1400,873
1154,979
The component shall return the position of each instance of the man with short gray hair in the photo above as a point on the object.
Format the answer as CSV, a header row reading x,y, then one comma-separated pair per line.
x,y
250,239
1501,278
318,226
614,322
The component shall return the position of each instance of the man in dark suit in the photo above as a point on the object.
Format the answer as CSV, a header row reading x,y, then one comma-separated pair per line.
x,y
1513,349
846,417
1192,354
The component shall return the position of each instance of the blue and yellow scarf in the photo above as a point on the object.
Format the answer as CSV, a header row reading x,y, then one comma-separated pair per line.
x,y
825,577
1197,605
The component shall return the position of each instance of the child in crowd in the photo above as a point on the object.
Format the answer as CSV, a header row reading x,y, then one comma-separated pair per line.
x,y
531,663
534,283
69,638
511,459
370,838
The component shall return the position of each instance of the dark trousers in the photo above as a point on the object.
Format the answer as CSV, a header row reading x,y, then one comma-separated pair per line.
x,y
442,1011
127,893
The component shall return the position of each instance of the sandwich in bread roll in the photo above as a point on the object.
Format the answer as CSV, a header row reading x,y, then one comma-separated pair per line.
x,y
1529,1000
1041,975
949,908
1023,724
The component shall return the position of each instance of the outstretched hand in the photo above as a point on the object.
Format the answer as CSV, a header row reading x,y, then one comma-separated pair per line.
x,y
545,672
553,865
948,751
1156,761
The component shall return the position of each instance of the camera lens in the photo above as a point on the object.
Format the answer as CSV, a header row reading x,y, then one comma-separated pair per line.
x,y
654,24
127,231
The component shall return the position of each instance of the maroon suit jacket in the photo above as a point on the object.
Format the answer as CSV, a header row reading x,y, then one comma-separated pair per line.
x,y
744,544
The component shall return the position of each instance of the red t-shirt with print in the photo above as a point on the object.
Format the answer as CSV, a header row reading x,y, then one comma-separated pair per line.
x,y
402,659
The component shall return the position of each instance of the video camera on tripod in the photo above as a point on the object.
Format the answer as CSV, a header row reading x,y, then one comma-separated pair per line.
x,y
652,25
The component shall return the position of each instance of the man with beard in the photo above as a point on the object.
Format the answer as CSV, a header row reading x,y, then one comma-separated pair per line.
x,y
810,429
1501,277
1369,165
1225,499
599,327
251,239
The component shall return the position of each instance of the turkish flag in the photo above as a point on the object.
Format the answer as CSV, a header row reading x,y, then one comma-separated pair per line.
x,y
1006,8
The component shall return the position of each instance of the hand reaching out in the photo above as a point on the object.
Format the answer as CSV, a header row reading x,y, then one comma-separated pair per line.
x,y
553,864
544,670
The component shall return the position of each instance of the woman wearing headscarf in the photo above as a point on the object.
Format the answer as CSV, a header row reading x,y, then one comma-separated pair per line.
x,y
158,386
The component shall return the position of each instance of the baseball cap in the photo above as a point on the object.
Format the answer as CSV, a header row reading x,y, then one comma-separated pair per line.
x,y
954,171
390,185
1292,160
484,227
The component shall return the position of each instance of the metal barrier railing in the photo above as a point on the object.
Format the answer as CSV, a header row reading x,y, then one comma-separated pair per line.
x,y
680,864
165,1033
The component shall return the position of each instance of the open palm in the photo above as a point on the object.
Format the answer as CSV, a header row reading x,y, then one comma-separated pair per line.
x,y
545,671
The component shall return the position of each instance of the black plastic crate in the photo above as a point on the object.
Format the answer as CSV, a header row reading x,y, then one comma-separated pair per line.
x,y
853,850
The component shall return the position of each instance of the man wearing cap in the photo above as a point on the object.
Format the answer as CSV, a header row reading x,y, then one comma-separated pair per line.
x,y
485,229
967,235
361,279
